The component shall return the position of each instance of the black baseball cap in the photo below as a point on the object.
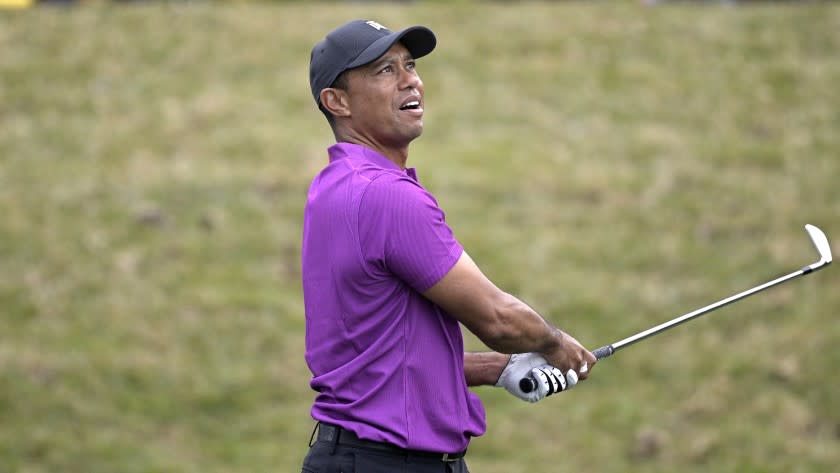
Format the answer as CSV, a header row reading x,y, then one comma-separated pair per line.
x,y
357,43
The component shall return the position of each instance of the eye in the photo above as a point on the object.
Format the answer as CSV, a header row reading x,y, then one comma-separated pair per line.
x,y
386,69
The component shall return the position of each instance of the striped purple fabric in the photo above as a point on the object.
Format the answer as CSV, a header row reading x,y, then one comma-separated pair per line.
x,y
387,364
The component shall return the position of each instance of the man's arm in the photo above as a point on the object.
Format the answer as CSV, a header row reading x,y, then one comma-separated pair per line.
x,y
484,369
502,322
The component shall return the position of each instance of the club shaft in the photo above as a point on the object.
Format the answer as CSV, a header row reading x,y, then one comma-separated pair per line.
x,y
703,310
528,383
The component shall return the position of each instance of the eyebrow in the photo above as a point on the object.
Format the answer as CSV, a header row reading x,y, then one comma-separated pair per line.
x,y
390,59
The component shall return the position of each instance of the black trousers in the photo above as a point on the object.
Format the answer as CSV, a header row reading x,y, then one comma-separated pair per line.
x,y
330,455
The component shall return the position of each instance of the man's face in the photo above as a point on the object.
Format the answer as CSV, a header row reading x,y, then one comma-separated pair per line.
x,y
386,99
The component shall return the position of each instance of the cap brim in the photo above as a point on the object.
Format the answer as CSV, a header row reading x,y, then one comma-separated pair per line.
x,y
419,41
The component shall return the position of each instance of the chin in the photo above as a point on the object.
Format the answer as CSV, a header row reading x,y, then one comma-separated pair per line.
x,y
416,131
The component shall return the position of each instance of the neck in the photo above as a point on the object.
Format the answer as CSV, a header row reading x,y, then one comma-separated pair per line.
x,y
398,154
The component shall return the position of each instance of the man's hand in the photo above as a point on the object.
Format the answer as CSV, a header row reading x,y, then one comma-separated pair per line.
x,y
549,379
571,355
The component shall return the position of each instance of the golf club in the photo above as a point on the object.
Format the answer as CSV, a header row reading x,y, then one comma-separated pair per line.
x,y
820,241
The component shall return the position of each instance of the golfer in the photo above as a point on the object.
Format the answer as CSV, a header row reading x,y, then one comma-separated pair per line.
x,y
387,285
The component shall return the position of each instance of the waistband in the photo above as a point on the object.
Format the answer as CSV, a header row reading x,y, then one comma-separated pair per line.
x,y
340,436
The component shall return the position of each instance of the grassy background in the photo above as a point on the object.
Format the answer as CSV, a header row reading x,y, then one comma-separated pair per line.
x,y
613,165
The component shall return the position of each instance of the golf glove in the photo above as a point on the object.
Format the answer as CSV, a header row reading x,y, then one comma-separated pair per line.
x,y
549,379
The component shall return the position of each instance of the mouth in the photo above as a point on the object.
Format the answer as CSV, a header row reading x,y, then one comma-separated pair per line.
x,y
412,105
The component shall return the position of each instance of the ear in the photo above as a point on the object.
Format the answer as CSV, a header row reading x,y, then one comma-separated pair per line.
x,y
336,102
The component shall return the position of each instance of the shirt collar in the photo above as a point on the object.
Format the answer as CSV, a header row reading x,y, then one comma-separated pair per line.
x,y
344,150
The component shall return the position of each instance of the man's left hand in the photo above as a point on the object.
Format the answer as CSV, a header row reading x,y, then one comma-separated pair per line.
x,y
549,379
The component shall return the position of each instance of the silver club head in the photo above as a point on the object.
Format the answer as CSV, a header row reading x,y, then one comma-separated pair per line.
x,y
821,243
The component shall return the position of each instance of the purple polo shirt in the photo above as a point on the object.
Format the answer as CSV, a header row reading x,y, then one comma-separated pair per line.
x,y
387,363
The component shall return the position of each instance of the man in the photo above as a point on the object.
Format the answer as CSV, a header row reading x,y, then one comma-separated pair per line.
x,y
386,284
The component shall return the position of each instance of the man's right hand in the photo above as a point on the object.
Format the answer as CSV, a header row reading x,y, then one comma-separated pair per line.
x,y
571,355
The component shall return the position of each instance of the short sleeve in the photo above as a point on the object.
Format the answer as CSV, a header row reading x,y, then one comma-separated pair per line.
x,y
404,232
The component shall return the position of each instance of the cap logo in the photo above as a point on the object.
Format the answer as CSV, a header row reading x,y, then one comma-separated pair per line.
x,y
375,25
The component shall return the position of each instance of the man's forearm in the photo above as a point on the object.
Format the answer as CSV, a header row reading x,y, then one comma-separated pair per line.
x,y
484,369
520,329
501,321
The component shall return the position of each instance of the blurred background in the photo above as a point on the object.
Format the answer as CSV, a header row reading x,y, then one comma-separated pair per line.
x,y
613,164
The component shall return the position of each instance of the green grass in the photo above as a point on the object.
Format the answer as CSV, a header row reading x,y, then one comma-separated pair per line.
x,y
612,165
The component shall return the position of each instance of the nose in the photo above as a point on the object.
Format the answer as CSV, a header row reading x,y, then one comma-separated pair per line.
x,y
410,79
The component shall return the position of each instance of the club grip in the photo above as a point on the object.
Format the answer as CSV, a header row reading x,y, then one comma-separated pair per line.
x,y
528,383
603,352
